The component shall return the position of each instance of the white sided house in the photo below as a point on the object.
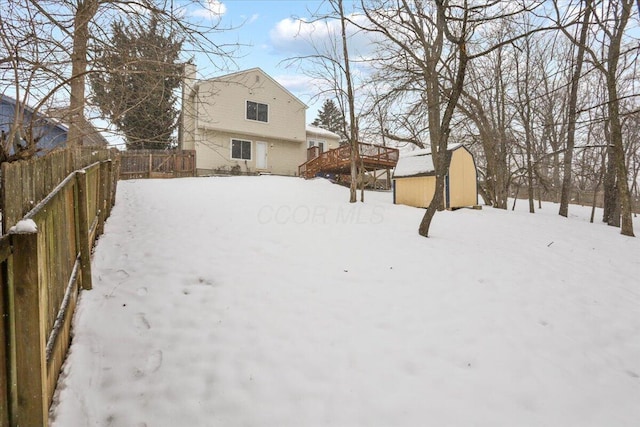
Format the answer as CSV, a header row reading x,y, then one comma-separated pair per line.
x,y
320,140
415,180
245,123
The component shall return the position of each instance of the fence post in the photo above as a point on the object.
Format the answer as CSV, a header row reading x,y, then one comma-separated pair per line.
x,y
32,404
115,176
5,335
175,165
110,184
83,229
101,198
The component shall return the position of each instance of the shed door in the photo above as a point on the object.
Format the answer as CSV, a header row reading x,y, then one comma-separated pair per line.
x,y
261,155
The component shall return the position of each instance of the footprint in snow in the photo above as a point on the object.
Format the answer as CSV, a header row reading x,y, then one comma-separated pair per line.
x,y
154,361
204,281
141,321
122,274
152,364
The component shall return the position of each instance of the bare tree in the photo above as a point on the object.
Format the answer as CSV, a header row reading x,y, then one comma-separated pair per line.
x,y
612,22
330,66
75,23
434,41
353,127
525,88
604,45
429,35
573,101
28,63
485,103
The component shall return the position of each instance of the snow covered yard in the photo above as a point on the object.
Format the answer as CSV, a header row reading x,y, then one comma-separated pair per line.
x,y
270,301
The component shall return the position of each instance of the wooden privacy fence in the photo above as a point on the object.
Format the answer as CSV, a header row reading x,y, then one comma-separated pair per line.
x,y
41,272
24,184
157,164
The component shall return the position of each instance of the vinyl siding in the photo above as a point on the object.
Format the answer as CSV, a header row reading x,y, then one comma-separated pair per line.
x,y
222,106
214,154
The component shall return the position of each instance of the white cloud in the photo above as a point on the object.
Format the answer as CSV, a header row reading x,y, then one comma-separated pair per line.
x,y
295,36
296,83
300,37
212,10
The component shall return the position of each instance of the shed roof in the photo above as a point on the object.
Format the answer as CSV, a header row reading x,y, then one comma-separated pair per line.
x,y
418,162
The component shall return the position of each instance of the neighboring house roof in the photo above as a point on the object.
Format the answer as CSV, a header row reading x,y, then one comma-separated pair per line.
x,y
321,132
48,132
90,135
49,120
418,162
232,76
55,117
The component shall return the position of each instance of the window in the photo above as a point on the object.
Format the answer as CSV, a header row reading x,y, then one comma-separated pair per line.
x,y
257,111
240,149
319,144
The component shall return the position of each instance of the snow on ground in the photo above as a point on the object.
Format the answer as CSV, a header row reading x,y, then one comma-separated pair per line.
x,y
271,301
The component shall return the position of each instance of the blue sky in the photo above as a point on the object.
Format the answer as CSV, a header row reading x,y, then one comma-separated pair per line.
x,y
268,33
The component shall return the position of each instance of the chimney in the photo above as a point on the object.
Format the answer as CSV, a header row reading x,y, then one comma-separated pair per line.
x,y
186,135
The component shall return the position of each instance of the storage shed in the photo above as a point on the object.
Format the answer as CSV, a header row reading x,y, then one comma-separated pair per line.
x,y
415,181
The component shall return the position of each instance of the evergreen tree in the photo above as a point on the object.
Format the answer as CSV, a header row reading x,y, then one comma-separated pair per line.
x,y
330,118
135,87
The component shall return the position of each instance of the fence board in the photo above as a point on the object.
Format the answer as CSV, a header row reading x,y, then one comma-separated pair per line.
x,y
83,218
32,405
5,253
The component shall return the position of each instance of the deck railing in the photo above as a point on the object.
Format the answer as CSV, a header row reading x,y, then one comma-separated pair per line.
x,y
338,159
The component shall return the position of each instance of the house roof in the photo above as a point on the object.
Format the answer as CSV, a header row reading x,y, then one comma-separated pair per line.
x,y
55,117
48,119
321,132
251,70
91,136
418,162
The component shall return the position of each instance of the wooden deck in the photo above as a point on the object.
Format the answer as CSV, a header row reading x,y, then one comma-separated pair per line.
x,y
337,161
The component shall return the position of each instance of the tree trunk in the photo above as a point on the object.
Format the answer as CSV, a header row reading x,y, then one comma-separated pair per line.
x,y
501,164
527,123
530,194
439,130
624,195
611,212
596,188
86,9
613,107
353,127
437,201
572,114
